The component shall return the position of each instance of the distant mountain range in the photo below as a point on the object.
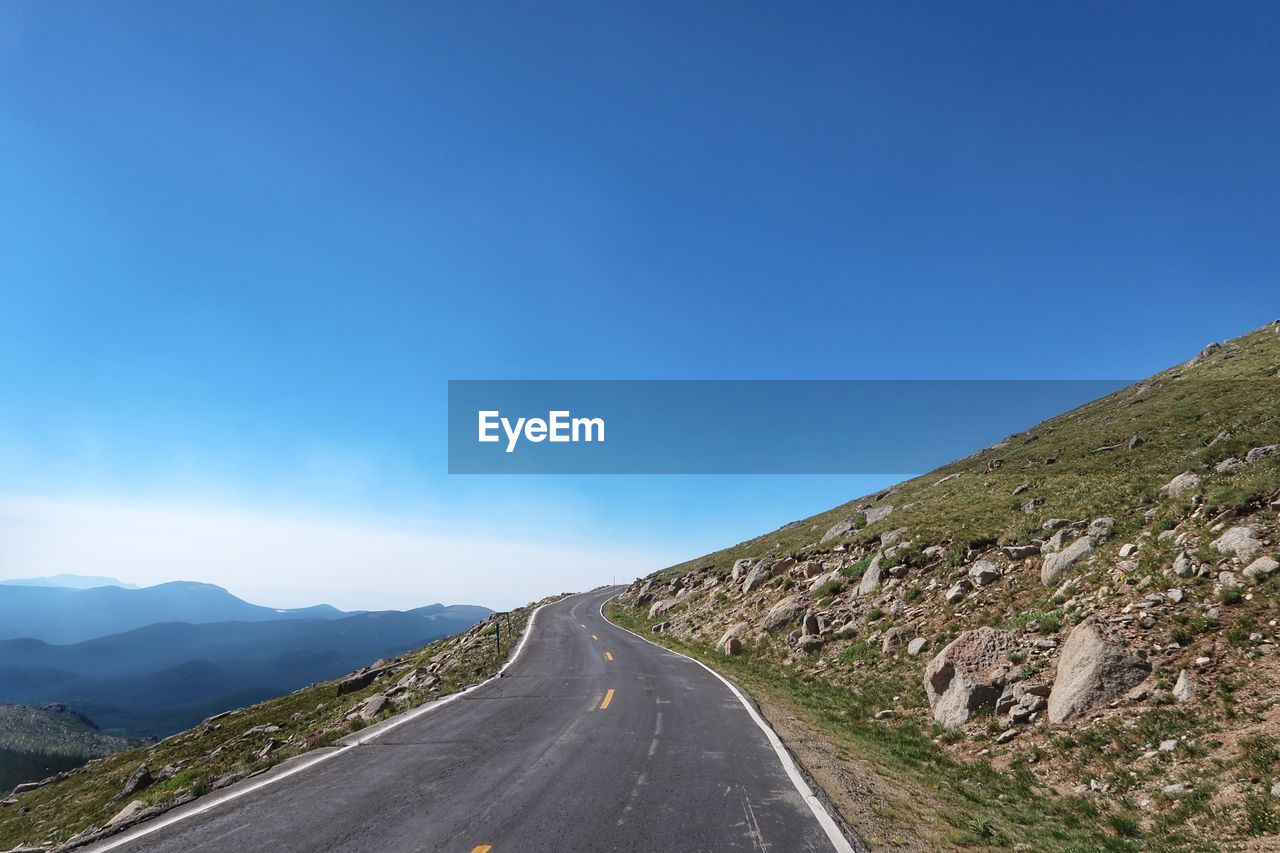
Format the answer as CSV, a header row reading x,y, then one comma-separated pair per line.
x,y
70,581
70,615
152,661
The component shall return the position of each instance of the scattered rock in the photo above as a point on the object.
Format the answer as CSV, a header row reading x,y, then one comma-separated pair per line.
x,y
1006,735
732,635
809,643
984,572
916,646
840,528
1056,564
740,568
879,513
783,613
1183,484
1260,568
1168,745
1227,465
1239,542
1258,453
871,577
138,780
1095,666
1185,689
756,577
893,639
1020,552
892,536
1183,566
127,813
1100,528
958,591
967,674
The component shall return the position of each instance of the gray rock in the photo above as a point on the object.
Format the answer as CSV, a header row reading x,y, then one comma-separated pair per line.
x,y
1260,568
1184,484
1185,689
1006,735
1258,453
664,606
967,675
984,572
958,591
1239,542
734,632
893,639
783,613
840,528
1055,523
1183,566
756,578
879,513
138,780
892,536
1058,540
871,577
1095,666
740,568
1227,465
1020,552
811,625
916,646
809,643
1056,564
1168,745
1100,528
127,813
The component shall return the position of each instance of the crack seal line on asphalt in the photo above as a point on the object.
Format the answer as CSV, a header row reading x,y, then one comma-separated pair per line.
x,y
824,818
269,778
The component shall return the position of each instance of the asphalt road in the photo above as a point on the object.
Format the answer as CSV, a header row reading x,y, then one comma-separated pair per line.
x,y
594,739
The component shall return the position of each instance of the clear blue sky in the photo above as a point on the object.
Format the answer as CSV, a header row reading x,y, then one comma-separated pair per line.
x,y
244,245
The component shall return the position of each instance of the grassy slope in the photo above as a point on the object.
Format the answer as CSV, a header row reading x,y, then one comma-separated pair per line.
x,y
963,789
209,757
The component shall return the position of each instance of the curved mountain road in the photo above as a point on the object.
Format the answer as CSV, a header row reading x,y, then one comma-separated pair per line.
x,y
594,739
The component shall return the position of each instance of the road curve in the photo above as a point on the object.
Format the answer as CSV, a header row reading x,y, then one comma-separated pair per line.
x,y
593,740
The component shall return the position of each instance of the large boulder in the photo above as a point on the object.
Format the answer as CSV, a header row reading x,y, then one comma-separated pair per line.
x,y
783,613
879,513
1056,564
740,569
840,528
666,605
730,641
1239,542
968,674
1183,484
1096,666
757,577
871,577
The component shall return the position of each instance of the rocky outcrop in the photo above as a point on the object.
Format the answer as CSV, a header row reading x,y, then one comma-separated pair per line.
x,y
879,513
840,528
783,613
966,675
1095,667
757,577
1240,542
1055,564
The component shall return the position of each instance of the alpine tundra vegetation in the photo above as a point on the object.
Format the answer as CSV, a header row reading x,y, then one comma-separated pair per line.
x,y
1065,641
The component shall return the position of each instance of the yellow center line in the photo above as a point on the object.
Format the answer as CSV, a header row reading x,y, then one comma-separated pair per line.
x,y
580,624
608,697
594,637
482,848
608,655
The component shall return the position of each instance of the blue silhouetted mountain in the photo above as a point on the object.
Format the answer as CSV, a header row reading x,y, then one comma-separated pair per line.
x,y
67,615
164,677
70,581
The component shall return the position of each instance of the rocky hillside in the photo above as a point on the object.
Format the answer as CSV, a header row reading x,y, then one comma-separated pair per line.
x,y
1067,640
38,742
107,795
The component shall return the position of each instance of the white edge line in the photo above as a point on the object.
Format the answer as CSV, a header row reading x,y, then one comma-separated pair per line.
x,y
364,736
824,818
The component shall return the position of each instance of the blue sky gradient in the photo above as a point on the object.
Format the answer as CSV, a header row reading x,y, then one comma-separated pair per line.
x,y
243,246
